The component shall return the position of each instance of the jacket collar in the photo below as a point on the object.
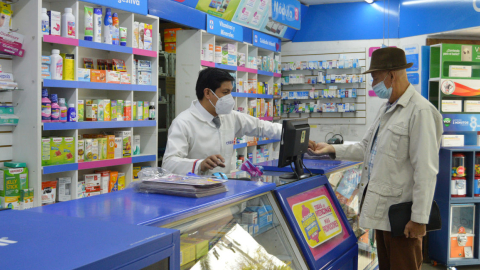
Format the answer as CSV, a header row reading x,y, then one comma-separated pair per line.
x,y
405,98
197,114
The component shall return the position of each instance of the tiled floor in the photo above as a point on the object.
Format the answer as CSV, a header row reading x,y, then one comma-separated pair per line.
x,y
430,267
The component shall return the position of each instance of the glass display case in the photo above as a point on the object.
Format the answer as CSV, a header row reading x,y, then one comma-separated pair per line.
x,y
462,231
248,235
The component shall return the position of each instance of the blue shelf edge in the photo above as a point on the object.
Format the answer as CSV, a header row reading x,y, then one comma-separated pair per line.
x,y
60,168
138,159
105,86
236,94
227,67
265,73
248,95
98,124
99,86
240,145
266,142
144,88
105,47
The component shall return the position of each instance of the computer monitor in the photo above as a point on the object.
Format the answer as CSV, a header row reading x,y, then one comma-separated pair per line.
x,y
294,143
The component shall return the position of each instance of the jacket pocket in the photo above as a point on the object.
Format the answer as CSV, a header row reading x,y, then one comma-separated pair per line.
x,y
378,199
399,142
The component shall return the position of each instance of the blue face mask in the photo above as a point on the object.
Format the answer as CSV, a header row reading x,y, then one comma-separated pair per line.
x,y
381,90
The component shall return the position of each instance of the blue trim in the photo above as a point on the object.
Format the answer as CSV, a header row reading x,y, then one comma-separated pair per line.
x,y
99,86
265,73
60,168
176,12
247,35
227,67
105,47
284,192
267,142
240,145
236,94
138,159
98,125
248,95
425,70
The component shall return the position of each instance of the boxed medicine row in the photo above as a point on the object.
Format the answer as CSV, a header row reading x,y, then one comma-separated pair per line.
x,y
115,110
332,92
330,64
321,79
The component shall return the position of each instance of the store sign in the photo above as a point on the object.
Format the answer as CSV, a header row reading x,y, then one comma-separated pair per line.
x,y
265,41
411,52
286,12
458,52
134,6
461,122
413,78
223,28
219,8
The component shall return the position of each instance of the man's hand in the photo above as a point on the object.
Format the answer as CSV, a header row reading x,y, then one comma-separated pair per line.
x,y
312,144
415,230
321,149
212,162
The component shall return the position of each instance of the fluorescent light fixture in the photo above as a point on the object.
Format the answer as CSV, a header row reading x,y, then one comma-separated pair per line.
x,y
369,1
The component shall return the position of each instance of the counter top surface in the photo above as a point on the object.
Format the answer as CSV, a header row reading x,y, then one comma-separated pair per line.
x,y
129,207
316,166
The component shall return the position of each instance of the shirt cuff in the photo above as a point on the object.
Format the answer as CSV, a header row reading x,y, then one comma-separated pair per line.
x,y
198,166
420,219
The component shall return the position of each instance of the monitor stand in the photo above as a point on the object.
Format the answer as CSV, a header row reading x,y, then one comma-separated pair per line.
x,y
297,161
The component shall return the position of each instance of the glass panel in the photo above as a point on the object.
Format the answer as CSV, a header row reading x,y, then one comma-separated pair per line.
x,y
462,234
244,236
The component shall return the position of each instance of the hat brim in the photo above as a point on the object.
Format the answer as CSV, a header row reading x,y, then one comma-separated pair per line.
x,y
409,65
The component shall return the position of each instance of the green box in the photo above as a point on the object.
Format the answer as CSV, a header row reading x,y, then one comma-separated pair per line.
x,y
68,150
6,110
12,180
80,111
45,151
56,151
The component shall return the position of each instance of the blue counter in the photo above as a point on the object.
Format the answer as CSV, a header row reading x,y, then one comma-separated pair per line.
x,y
314,165
129,207
31,240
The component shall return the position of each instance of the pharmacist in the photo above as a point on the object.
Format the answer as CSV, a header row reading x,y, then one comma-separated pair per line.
x,y
201,139
400,157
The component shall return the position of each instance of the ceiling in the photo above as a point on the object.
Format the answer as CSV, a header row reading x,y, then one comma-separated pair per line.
x,y
473,33
321,2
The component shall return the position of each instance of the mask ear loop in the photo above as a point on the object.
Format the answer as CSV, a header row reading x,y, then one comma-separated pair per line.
x,y
215,96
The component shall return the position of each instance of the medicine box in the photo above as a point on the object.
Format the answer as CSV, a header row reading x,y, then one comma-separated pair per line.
x,y
118,147
93,182
83,75
144,77
472,106
453,140
98,75
451,105
64,189
113,76
55,22
249,217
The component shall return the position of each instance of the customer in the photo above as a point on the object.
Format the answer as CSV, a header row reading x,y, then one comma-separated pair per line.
x,y
201,139
400,156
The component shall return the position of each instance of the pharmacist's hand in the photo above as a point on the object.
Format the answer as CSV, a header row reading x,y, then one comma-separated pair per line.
x,y
415,230
312,144
212,162
321,149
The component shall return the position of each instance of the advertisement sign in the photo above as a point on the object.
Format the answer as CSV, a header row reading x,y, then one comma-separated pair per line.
x,y
461,122
462,88
223,28
265,41
273,28
458,52
286,12
252,13
413,78
224,9
316,215
134,6
411,52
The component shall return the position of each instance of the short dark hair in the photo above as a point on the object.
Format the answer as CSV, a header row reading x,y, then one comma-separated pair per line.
x,y
211,78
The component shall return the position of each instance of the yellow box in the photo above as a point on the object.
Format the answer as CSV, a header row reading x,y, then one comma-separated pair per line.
x,y
136,170
121,181
107,110
187,253
110,146
201,246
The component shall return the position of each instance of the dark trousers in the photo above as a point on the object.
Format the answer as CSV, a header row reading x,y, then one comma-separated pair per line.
x,y
398,253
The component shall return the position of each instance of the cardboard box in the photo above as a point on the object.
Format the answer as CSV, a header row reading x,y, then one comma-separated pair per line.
x,y
113,76
148,37
68,150
460,71
126,142
118,147
55,22
98,75
49,192
187,253
95,150
56,151
453,140
471,106
107,110
46,151
127,111
83,75
104,181
12,180
249,217
136,170
136,145
113,110
451,105
201,246
125,78
170,35
113,184
64,189
88,150
171,47
93,182
81,151
110,146
121,181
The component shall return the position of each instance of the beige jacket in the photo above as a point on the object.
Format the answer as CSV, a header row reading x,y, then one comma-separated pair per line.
x,y
406,164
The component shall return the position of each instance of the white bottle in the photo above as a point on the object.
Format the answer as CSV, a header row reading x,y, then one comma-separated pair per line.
x,y
68,24
56,67
45,22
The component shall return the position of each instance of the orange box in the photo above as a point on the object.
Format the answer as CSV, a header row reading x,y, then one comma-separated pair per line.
x,y
170,35
113,184
98,75
110,146
171,47
457,251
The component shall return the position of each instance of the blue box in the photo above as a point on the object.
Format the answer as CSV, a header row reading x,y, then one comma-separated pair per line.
x,y
265,214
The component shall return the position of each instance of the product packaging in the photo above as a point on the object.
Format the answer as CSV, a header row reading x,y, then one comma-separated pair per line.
x,y
95,150
12,179
171,47
218,54
113,110
119,65
81,151
127,111
100,109
126,142
107,110
471,106
141,34
97,25
113,76
88,20
102,148
136,170
123,36
120,106
64,189
110,146
113,183
208,52
121,181
148,37
88,150
136,145
93,182
68,149
139,110
55,22
135,34
125,78
83,75
49,192
145,110
81,189
451,105
68,24
45,151
56,150
118,147
453,140
98,76
144,77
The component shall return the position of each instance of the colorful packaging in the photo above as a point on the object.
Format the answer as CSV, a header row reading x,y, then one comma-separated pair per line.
x,y
12,180
93,182
126,142
83,75
104,181
68,149
81,189
135,34
55,22
141,34
88,150
127,111
64,189
118,147
95,150
89,110
136,170
81,151
107,110
110,147
121,181
56,151
113,110
136,145
113,184
113,76
102,148
98,76
100,109
187,253
80,110
145,110
46,151
170,35
171,47
49,192
139,110
125,78
144,77
120,105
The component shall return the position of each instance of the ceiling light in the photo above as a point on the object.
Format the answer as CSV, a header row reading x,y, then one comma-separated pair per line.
x,y
369,1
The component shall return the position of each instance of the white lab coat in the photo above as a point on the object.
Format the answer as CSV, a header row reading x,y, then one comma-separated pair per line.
x,y
191,138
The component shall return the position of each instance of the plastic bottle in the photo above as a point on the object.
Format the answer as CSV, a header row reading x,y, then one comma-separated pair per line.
x,y
46,107
68,24
97,25
55,108
107,27
56,67
63,110
45,22
115,29
71,114
151,111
